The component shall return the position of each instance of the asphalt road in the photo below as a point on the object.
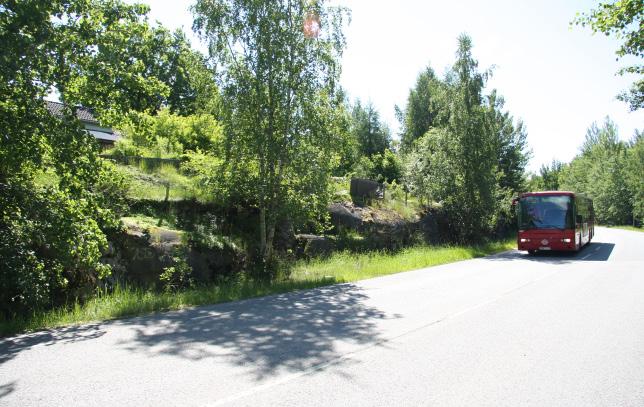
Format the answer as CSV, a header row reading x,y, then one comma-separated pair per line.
x,y
511,329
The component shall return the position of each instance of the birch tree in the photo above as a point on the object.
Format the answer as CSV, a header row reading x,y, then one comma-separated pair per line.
x,y
279,65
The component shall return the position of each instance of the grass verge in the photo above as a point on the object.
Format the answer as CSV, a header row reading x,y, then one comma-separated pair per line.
x,y
338,268
626,227
346,266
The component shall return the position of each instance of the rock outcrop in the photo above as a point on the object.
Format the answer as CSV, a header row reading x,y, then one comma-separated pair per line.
x,y
139,255
383,228
313,245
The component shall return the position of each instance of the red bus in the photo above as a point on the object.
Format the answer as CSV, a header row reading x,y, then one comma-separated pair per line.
x,y
554,220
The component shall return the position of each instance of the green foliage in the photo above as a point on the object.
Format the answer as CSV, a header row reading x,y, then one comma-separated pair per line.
x,y
472,156
160,182
49,244
110,190
341,267
387,167
634,169
457,165
606,170
168,135
347,266
106,51
117,62
511,144
347,146
369,154
210,176
279,63
549,177
90,52
179,275
186,72
622,19
381,167
400,202
423,109
372,136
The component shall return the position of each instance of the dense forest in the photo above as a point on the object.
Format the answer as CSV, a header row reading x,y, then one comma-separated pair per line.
x,y
259,126
608,170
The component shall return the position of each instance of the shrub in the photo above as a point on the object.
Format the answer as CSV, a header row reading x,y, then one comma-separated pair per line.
x,y
50,245
168,135
179,275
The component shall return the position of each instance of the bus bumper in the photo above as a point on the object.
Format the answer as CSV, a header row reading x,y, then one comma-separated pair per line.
x,y
561,241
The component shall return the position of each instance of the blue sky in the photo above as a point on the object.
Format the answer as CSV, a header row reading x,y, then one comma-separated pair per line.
x,y
557,79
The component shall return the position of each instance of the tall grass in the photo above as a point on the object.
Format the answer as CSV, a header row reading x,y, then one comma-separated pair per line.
x,y
151,182
347,266
339,267
131,301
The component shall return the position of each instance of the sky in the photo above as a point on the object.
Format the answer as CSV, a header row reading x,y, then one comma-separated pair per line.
x,y
557,79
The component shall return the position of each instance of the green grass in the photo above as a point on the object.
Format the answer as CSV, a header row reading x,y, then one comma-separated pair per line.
x,y
339,267
346,266
151,183
626,227
127,302
144,183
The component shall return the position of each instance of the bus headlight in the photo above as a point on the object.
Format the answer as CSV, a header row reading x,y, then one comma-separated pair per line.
x,y
524,240
566,240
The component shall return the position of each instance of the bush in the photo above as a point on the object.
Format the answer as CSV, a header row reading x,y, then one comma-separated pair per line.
x,y
179,275
50,246
167,135
387,167
110,192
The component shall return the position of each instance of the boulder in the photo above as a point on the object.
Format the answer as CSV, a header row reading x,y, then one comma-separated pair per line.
x,y
345,214
140,254
428,226
364,190
208,264
314,245
382,228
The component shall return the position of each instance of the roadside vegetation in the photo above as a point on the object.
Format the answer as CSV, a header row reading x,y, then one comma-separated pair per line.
x,y
342,267
627,227
222,183
608,170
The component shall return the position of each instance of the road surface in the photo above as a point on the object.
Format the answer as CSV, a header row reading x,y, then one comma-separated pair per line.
x,y
506,330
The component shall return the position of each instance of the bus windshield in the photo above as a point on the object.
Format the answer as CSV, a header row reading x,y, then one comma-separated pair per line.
x,y
545,212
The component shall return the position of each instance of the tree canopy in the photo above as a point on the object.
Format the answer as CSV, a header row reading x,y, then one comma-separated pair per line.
x,y
471,159
280,64
93,53
622,19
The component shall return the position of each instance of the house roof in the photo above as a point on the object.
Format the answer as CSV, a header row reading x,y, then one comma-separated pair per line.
x,y
83,114
103,136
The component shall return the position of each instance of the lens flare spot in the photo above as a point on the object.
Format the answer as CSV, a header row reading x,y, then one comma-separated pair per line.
x,y
312,26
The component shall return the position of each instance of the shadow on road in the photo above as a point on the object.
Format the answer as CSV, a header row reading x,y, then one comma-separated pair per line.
x,y
10,347
294,331
6,389
594,251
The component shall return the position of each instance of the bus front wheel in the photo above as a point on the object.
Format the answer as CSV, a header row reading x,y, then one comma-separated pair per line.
x,y
531,252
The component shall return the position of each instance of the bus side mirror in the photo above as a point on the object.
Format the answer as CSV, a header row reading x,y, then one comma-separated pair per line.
x,y
515,201
579,219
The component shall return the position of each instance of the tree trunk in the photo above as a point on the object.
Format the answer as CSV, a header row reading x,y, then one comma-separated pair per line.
x,y
270,235
262,233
